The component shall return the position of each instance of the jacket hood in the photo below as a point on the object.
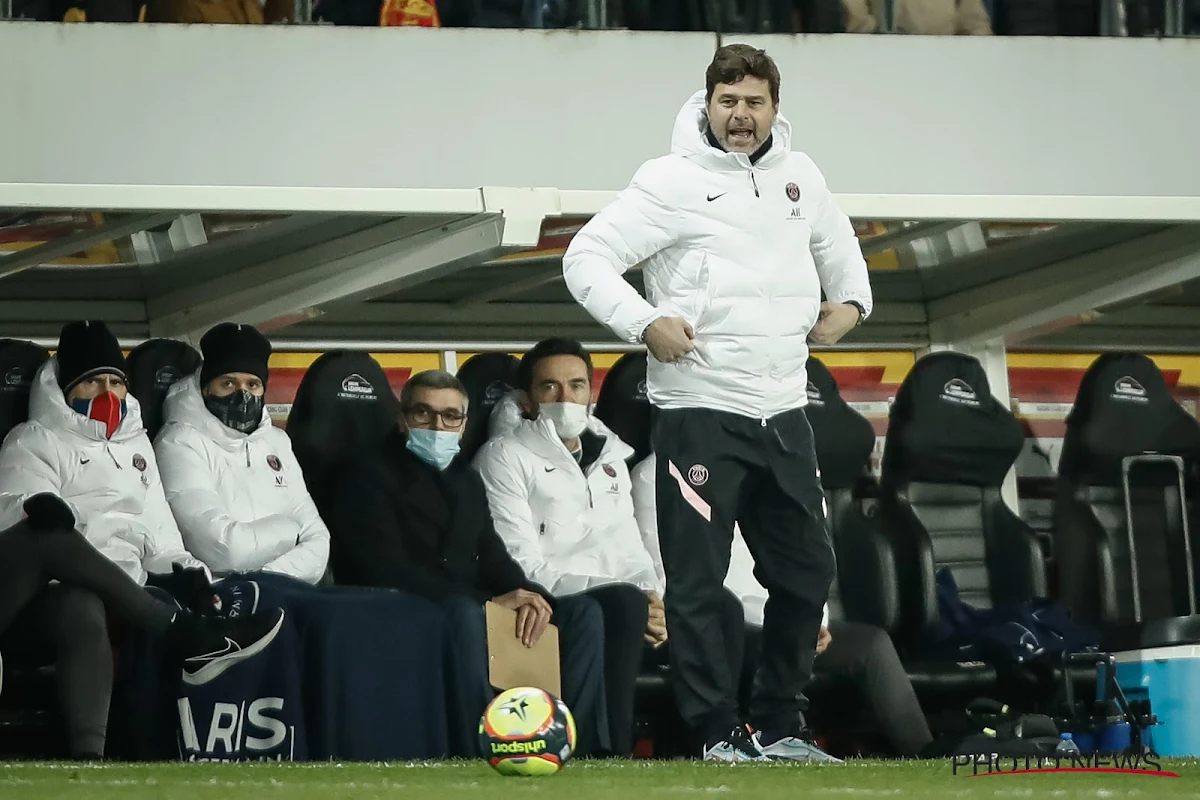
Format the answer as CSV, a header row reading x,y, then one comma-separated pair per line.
x,y
506,416
48,407
185,406
689,140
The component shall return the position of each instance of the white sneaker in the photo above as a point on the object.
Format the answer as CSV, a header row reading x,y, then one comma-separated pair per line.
x,y
737,745
793,748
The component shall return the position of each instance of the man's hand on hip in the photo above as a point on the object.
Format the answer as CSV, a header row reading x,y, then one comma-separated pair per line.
x,y
669,339
656,624
836,320
823,640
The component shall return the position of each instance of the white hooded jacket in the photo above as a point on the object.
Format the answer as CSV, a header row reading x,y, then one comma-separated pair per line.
x,y
112,485
740,579
739,250
569,530
240,498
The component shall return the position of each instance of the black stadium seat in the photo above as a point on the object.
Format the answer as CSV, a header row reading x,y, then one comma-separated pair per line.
x,y
1123,409
154,367
487,378
28,715
949,446
865,589
343,407
19,362
623,405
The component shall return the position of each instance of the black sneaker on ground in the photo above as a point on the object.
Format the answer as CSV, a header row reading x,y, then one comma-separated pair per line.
x,y
208,646
736,745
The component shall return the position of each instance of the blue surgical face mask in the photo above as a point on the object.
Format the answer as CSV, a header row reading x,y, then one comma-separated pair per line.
x,y
435,448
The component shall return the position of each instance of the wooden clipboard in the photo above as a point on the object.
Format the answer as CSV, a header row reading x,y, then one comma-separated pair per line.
x,y
512,664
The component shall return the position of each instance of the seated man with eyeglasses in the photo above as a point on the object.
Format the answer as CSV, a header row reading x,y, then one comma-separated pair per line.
x,y
414,517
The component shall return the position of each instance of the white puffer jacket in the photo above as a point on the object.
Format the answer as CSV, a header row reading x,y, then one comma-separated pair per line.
x,y
569,530
112,485
740,579
739,250
240,498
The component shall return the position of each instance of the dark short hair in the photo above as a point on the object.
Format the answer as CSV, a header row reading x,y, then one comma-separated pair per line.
x,y
733,62
549,348
431,379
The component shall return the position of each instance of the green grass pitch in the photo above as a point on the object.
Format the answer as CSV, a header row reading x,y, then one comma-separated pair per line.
x,y
618,780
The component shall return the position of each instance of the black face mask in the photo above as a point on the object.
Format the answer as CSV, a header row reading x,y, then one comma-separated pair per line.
x,y
241,411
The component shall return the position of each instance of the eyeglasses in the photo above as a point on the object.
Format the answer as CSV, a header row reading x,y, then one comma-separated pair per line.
x,y
424,415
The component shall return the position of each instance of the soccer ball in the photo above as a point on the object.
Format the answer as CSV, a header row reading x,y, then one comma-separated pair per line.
x,y
526,731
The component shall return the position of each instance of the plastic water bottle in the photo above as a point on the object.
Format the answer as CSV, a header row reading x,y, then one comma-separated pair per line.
x,y
1066,746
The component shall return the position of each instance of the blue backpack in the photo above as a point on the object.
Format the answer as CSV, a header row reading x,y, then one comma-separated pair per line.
x,y
1014,633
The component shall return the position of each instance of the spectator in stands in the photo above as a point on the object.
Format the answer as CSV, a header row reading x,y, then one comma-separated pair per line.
x,y
927,17
230,475
414,517
559,491
217,12
84,443
862,652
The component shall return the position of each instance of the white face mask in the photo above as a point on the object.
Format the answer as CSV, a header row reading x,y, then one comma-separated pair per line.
x,y
569,419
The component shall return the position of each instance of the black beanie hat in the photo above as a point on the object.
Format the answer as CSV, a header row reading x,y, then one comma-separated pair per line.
x,y
85,349
231,347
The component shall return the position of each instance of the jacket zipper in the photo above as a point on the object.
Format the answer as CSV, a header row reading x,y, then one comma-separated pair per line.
x,y
247,454
755,182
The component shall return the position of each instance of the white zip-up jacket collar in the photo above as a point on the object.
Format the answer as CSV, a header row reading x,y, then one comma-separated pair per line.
x,y
741,251
569,529
240,499
689,138
112,485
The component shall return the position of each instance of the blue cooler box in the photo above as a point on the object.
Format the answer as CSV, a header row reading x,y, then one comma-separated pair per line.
x,y
1169,677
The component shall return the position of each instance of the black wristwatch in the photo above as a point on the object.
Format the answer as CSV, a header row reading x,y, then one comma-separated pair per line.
x,y
862,312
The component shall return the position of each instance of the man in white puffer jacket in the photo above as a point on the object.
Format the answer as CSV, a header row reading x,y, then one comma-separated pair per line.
x,y
230,475
84,442
559,493
738,237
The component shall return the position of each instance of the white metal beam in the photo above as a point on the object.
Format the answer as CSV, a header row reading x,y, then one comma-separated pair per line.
x,y
514,289
573,202
906,235
156,246
1068,288
994,208
381,259
60,248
